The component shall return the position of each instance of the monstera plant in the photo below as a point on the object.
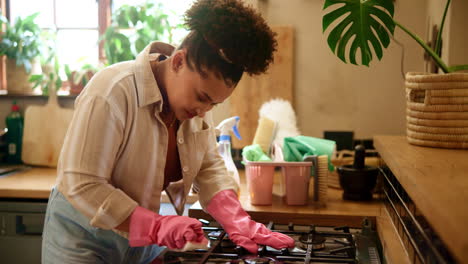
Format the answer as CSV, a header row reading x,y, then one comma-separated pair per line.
x,y
371,21
436,104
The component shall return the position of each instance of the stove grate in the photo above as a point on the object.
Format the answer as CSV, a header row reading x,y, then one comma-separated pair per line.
x,y
314,244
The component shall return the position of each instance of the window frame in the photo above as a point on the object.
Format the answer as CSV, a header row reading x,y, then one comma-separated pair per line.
x,y
104,21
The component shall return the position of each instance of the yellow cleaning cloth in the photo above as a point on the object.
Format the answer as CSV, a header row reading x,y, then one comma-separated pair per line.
x,y
265,133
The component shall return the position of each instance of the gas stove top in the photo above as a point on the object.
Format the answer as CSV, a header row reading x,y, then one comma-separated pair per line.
x,y
314,244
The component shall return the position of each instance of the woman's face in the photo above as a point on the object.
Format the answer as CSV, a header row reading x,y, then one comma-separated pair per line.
x,y
189,93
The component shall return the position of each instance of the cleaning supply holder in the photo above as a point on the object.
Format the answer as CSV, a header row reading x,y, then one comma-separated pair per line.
x,y
295,181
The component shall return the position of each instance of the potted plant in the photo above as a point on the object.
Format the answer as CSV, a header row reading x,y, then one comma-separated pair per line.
x,y
437,113
77,79
20,43
49,80
133,27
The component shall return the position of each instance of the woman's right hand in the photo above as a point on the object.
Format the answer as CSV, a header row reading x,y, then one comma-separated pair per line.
x,y
172,231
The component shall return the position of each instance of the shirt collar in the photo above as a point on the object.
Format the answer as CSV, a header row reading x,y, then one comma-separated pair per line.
x,y
147,87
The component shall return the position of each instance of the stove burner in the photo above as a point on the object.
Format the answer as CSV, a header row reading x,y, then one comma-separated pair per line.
x,y
257,260
318,241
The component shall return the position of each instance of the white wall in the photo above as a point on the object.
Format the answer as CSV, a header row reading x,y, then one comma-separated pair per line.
x,y
457,47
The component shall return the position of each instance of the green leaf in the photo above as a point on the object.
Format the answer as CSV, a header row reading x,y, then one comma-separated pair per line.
x,y
337,32
30,19
332,16
36,85
58,84
45,90
133,15
381,32
370,22
122,20
35,77
441,29
140,45
84,81
148,22
67,71
458,68
4,19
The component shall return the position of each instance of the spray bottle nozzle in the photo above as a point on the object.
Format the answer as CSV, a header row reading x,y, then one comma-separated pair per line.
x,y
229,124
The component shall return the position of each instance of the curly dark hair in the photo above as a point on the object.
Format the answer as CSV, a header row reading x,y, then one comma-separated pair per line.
x,y
228,38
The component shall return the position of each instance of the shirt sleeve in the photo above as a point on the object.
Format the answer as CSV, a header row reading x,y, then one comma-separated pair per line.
x,y
89,153
213,176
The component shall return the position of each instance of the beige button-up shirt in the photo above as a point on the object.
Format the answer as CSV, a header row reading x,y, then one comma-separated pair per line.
x,y
115,149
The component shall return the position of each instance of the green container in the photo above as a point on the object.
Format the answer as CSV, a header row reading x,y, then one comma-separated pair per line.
x,y
14,136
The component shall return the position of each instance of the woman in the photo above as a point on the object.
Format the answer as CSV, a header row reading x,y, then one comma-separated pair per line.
x,y
143,126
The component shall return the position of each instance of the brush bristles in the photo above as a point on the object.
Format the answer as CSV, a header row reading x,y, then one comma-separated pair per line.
x,y
322,178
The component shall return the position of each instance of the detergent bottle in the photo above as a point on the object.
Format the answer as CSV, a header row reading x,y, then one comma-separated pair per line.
x,y
224,144
14,122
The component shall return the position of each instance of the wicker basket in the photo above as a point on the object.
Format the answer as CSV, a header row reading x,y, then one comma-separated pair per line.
x,y
437,109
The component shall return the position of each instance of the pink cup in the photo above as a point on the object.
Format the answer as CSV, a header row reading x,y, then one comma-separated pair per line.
x,y
260,182
296,179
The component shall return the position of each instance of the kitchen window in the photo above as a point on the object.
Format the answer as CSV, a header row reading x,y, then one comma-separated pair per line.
x,y
75,23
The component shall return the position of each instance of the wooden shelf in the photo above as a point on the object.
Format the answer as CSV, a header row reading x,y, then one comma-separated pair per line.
x,y
6,95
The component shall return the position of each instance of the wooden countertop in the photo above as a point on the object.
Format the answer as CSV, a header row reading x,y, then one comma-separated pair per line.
x,y
37,182
29,183
337,211
437,181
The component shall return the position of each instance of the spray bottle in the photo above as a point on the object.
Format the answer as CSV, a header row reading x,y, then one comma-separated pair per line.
x,y
224,144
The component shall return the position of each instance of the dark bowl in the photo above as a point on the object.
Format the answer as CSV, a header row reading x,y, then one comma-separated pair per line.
x,y
357,184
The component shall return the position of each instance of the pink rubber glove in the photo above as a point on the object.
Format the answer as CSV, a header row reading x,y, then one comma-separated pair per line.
x,y
227,210
172,231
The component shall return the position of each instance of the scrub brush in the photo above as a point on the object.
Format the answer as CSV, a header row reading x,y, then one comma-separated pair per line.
x,y
322,178
264,134
282,112
320,173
